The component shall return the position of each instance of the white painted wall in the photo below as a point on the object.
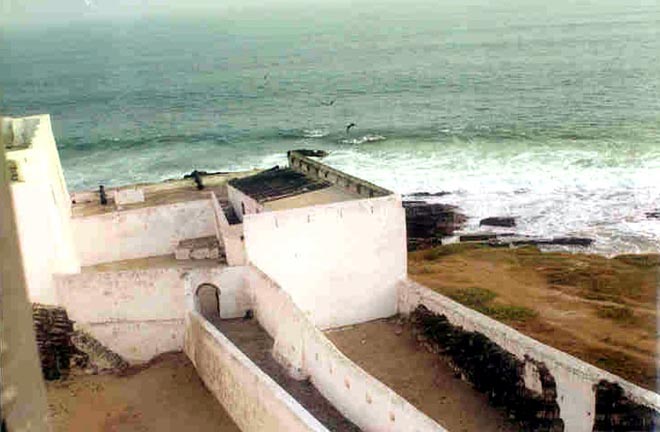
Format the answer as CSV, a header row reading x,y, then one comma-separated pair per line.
x,y
42,209
231,236
143,232
339,262
140,313
307,352
253,400
575,379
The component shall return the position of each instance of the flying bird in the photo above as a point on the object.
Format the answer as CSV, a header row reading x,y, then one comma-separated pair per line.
x,y
332,102
350,125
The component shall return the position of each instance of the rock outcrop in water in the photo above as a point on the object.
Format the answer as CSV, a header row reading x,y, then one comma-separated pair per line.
x,y
427,223
499,221
653,214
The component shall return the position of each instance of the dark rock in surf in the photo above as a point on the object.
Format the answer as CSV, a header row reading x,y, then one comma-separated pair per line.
x,y
500,221
427,223
427,194
558,241
653,215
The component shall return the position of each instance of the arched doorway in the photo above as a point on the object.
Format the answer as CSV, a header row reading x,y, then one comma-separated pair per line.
x,y
208,301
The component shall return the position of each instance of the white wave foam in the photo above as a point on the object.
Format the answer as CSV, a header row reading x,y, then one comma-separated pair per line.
x,y
363,139
314,133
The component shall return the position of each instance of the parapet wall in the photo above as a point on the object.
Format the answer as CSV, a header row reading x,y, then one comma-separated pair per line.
x,y
340,262
316,169
142,232
576,381
307,352
253,400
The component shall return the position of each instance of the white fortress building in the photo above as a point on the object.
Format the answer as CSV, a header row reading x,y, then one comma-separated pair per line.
x,y
299,250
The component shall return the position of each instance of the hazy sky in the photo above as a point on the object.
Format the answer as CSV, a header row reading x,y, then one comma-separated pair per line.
x,y
17,13
23,12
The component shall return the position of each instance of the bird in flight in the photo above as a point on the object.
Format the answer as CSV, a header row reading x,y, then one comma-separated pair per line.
x,y
330,103
350,125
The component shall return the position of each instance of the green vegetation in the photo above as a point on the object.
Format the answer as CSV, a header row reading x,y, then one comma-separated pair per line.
x,y
620,314
481,300
450,249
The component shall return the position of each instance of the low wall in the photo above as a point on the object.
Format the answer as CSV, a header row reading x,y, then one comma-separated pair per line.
x,y
140,313
307,352
339,262
576,381
142,232
316,169
253,400
231,236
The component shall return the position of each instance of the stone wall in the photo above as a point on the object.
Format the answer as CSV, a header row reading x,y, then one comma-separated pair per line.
x,y
575,382
318,170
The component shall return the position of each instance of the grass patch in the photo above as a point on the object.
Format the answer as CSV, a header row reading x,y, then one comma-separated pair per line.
x,y
446,250
481,300
620,314
643,261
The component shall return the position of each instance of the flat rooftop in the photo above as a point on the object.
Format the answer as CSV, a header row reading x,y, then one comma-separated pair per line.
x,y
87,203
284,188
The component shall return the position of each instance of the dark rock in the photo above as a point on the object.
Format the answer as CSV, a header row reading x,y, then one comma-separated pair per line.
x,y
312,153
493,371
477,237
428,194
53,331
426,222
616,412
561,241
500,221
653,215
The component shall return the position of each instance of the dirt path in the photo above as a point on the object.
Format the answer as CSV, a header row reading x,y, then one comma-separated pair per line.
x,y
166,396
390,353
600,310
255,342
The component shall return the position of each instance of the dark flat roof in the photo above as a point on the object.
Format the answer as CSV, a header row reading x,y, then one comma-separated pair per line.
x,y
277,183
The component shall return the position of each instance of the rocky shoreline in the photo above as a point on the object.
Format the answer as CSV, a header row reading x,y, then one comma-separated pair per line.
x,y
431,224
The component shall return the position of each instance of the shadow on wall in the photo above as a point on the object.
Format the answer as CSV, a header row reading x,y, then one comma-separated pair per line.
x,y
207,301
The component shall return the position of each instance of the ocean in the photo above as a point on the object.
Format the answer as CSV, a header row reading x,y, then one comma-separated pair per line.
x,y
547,112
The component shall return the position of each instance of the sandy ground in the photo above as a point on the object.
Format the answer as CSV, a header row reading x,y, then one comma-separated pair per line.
x,y
166,396
390,353
601,310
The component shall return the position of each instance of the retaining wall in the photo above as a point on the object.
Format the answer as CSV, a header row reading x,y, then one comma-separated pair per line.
x,y
576,381
307,352
253,400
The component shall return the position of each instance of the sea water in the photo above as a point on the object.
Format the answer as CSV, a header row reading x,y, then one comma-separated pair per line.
x,y
546,112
